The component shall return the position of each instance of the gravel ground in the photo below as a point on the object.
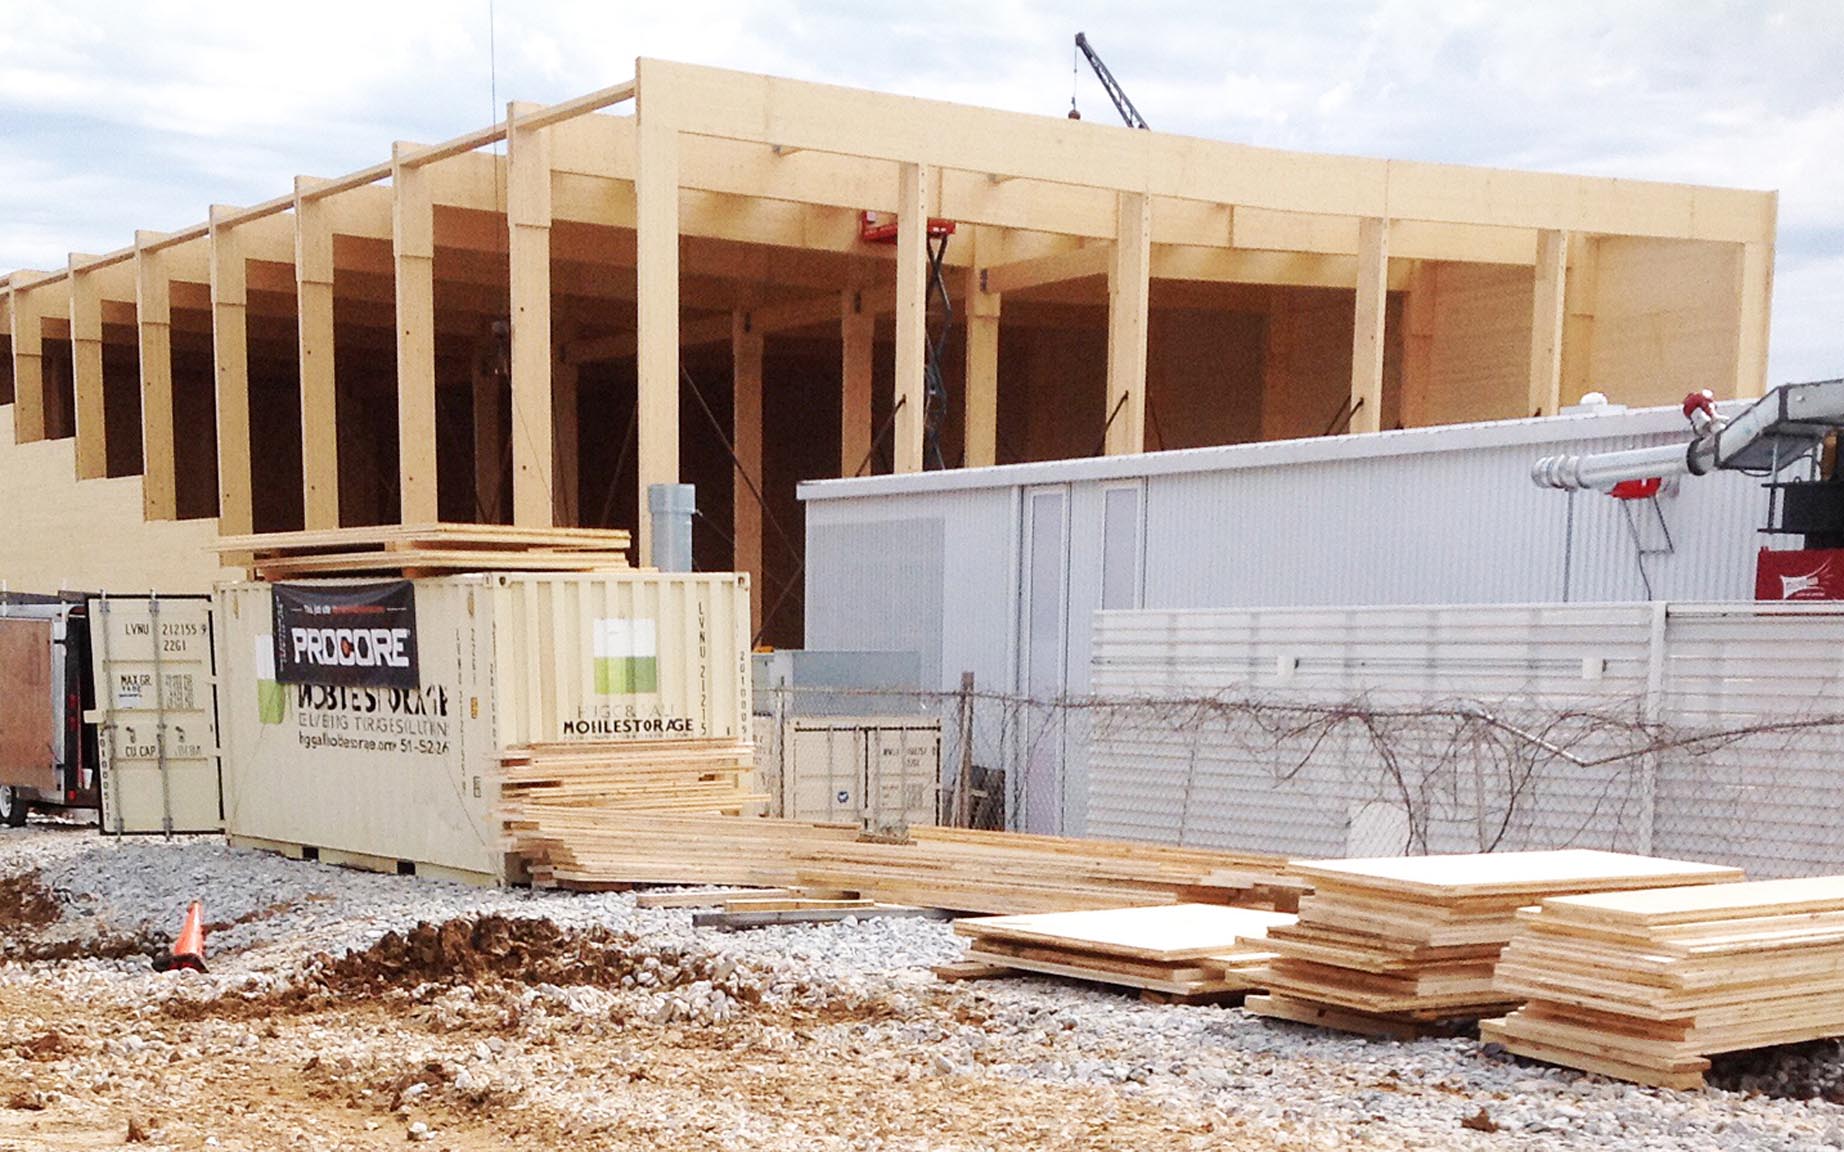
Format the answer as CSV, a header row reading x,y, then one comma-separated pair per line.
x,y
627,1028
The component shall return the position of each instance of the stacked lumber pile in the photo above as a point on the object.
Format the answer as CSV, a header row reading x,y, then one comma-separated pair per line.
x,y
997,873
1392,946
1004,873
425,550
1185,953
1645,986
592,850
687,777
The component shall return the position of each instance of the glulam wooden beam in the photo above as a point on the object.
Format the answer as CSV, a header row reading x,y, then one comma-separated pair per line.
x,y
154,309
319,385
1129,311
746,345
413,250
1366,404
980,407
1754,291
857,352
528,220
656,212
913,207
86,370
230,353
566,439
1090,154
28,357
1548,311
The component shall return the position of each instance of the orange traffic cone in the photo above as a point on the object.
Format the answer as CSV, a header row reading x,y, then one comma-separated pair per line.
x,y
189,949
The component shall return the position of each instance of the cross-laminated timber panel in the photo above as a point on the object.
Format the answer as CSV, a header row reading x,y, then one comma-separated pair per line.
x,y
714,164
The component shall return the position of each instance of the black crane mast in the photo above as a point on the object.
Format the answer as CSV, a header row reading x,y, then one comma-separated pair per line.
x,y
1115,93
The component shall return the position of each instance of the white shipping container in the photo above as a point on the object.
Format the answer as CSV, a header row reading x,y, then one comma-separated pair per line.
x,y
381,776
883,772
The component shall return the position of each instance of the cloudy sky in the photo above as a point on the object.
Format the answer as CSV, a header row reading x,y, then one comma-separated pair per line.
x,y
126,114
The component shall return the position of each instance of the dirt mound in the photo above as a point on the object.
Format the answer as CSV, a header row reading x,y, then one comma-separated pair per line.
x,y
470,951
490,954
25,903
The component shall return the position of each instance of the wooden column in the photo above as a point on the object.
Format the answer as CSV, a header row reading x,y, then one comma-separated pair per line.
x,y
566,442
230,353
489,431
1367,334
86,371
913,207
981,417
28,361
746,425
1418,345
656,216
154,316
1547,311
413,251
319,386
857,343
1755,291
1129,304
528,218
1580,288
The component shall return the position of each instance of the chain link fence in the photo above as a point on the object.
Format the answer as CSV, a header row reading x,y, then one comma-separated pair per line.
x,y
1318,773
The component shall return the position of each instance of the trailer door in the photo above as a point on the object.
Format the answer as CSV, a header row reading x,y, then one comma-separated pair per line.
x,y
28,722
156,714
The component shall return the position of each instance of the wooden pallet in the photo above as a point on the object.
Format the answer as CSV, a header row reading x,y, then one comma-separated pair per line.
x,y
1394,946
1176,950
428,549
1646,986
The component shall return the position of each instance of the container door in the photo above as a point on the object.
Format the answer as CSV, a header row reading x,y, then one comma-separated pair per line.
x,y
156,714
1044,624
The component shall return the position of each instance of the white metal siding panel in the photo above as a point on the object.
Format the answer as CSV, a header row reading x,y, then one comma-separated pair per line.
x,y
1747,706
1201,777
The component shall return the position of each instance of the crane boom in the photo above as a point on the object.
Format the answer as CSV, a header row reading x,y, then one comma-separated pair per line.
x,y
1115,93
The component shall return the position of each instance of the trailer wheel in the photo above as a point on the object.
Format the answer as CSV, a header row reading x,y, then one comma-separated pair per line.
x,y
13,807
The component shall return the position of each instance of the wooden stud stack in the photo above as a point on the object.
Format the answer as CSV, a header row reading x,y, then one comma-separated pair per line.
x,y
1645,986
1391,946
428,549
1176,952
997,873
690,777
1005,873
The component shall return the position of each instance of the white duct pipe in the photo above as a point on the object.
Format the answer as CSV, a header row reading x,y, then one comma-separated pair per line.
x,y
1603,470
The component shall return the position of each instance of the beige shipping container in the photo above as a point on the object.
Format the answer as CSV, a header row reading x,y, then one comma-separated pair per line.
x,y
880,772
383,777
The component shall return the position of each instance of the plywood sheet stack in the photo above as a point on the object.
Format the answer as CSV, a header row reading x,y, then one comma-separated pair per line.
x,y
1390,946
426,550
1180,952
1645,986
689,777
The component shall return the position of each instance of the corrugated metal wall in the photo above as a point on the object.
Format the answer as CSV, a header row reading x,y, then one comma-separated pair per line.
x,y
1697,731
1312,731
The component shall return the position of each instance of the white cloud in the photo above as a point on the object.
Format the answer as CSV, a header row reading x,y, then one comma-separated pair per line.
x,y
124,114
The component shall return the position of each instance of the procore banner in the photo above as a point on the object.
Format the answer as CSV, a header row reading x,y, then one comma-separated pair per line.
x,y
354,635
